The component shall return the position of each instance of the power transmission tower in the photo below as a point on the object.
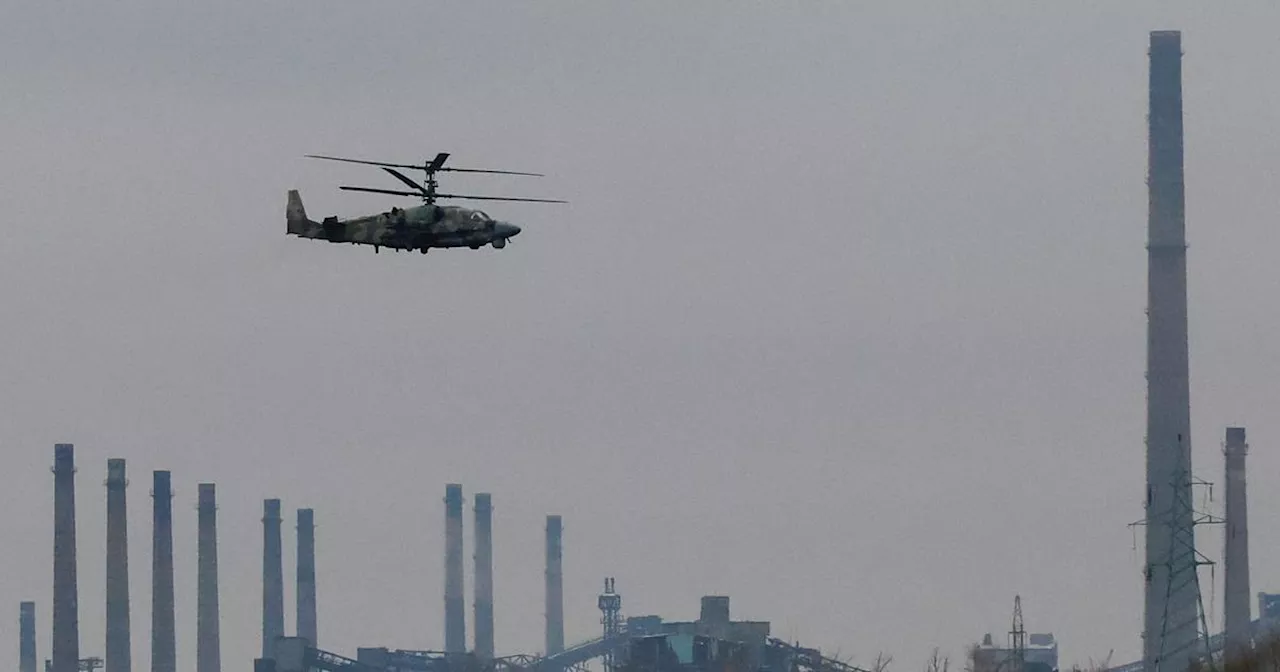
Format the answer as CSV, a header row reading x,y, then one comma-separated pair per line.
x,y
1182,571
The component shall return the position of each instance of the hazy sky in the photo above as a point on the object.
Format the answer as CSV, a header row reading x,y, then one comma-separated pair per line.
x,y
844,319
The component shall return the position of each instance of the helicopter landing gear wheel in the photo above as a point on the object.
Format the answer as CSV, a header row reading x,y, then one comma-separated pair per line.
x,y
424,250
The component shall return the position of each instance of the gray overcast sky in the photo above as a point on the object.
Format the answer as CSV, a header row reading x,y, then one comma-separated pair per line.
x,y
845,318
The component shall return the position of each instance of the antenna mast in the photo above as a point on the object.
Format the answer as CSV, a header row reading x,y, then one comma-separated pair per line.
x,y
611,617
1017,639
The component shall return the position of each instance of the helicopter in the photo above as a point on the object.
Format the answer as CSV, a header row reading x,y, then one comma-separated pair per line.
x,y
420,227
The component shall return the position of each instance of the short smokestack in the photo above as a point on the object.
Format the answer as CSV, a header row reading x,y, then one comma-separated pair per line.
x,y
1236,548
484,575
163,638
118,647
306,576
66,626
455,624
208,630
555,587
272,578
27,637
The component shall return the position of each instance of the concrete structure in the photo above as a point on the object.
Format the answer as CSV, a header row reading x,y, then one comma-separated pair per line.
x,y
1039,655
714,622
455,616
1269,607
272,578
163,636
292,656
714,611
1268,614
119,654
555,586
1172,590
208,635
27,637
66,624
484,576
306,577
1235,552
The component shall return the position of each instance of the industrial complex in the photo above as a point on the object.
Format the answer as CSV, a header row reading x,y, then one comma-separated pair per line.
x,y
1174,631
713,641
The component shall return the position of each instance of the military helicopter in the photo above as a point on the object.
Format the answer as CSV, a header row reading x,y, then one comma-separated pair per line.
x,y
417,228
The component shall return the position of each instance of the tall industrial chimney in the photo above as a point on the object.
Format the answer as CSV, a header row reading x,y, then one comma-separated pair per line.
x,y
555,587
66,627
1171,624
208,635
455,623
484,575
163,636
272,578
306,577
118,647
27,637
1236,549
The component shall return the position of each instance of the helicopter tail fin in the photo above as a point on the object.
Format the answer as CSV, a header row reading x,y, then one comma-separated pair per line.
x,y
295,214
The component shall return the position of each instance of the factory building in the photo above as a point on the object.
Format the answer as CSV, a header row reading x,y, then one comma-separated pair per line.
x,y
1040,655
1268,613
1269,607
699,643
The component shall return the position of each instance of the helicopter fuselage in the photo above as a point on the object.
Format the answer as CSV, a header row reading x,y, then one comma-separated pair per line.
x,y
417,228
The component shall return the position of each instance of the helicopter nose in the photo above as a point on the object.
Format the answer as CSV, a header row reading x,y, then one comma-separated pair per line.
x,y
507,230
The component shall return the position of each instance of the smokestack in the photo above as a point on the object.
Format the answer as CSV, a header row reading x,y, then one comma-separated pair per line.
x,y
66,627
272,578
306,576
455,624
555,587
118,647
484,576
208,636
1236,548
27,637
1171,624
163,646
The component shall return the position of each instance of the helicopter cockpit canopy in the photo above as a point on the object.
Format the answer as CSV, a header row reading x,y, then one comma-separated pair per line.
x,y
480,216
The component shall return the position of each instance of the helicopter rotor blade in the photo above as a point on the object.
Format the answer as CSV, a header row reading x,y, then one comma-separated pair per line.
x,y
383,191
499,198
367,163
497,172
435,165
400,176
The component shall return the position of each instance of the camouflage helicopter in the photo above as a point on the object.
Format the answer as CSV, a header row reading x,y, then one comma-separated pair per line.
x,y
417,228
